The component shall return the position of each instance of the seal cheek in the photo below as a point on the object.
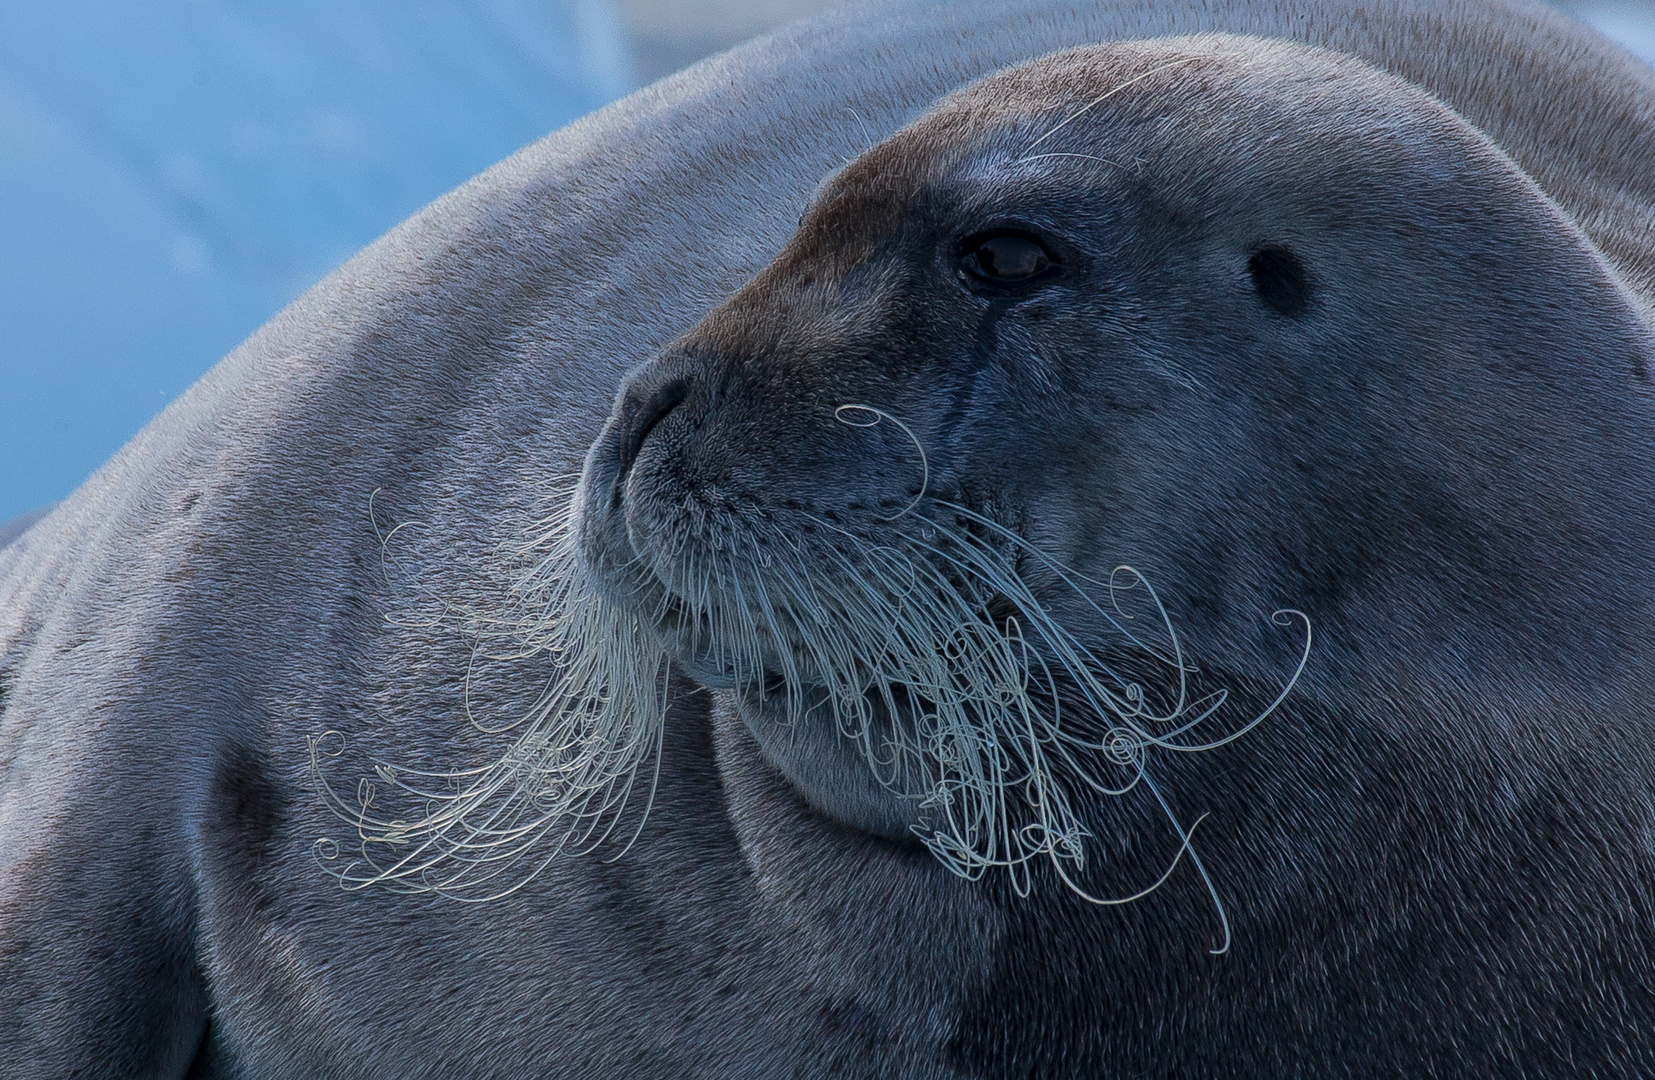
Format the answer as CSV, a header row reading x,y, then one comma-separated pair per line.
x,y
825,770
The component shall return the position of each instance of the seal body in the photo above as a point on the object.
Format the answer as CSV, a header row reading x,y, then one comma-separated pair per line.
x,y
1346,315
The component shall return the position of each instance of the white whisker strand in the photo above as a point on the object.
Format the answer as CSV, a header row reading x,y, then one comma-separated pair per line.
x,y
567,776
1101,98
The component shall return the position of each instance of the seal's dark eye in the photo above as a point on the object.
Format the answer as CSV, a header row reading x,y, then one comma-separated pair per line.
x,y
1005,258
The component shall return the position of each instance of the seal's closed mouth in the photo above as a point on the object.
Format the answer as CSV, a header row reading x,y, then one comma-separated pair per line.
x,y
698,637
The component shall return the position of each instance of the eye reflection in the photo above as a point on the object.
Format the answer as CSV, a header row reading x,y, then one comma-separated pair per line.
x,y
1005,258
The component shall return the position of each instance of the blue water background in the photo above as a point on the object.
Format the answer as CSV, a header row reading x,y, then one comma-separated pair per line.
x,y
172,172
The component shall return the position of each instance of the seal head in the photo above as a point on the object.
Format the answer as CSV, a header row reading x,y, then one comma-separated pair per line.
x,y
1213,309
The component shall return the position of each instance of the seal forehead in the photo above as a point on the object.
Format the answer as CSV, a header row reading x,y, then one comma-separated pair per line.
x,y
1208,74
1200,106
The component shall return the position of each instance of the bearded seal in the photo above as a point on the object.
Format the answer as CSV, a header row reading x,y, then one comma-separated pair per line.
x,y
1348,317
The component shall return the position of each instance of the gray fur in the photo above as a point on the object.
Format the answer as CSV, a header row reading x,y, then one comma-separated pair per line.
x,y
281,552
11,529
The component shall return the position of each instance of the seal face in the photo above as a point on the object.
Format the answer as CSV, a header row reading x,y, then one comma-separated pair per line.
x,y
1171,314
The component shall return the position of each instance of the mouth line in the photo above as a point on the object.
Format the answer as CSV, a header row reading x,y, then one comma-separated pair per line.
x,y
687,632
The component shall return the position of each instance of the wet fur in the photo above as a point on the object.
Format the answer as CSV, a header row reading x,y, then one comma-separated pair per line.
x,y
1437,864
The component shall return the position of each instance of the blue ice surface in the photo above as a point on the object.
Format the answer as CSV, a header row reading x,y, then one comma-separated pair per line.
x,y
172,172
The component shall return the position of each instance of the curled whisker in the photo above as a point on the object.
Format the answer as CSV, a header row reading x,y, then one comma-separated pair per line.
x,y
843,413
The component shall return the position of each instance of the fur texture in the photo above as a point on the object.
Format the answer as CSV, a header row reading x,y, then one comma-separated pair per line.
x,y
1435,858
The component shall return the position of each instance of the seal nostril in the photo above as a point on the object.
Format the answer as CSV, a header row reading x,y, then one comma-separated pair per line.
x,y
641,410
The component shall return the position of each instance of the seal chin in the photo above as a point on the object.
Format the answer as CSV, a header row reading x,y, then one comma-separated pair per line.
x,y
829,770
838,775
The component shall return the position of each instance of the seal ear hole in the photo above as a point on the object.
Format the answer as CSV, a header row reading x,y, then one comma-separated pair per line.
x,y
1279,277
